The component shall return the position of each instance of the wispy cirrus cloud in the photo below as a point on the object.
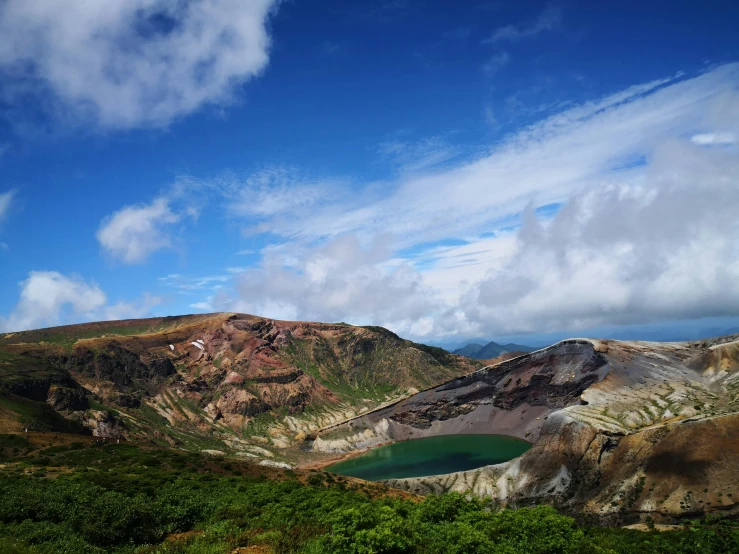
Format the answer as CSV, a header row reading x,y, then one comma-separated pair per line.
x,y
714,138
548,20
569,150
6,199
496,62
417,155
136,62
189,284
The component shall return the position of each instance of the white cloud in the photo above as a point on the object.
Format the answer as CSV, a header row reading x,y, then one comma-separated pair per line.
x,y
188,285
134,232
647,231
128,63
6,198
714,138
548,20
417,155
49,298
45,294
341,280
663,246
271,191
570,150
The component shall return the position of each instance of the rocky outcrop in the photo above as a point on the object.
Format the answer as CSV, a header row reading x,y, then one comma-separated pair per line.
x,y
239,401
119,365
67,398
104,424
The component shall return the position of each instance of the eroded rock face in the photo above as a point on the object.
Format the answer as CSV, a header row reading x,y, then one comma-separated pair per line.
x,y
104,424
239,401
67,398
119,365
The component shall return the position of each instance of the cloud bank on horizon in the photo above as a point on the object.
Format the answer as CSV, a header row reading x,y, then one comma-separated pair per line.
x,y
619,209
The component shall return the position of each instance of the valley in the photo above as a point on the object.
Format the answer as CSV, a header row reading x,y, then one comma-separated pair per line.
x,y
618,431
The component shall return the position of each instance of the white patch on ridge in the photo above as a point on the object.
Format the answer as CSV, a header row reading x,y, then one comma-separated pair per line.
x,y
171,347
198,345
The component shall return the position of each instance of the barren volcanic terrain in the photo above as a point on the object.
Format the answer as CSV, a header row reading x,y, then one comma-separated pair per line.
x,y
620,429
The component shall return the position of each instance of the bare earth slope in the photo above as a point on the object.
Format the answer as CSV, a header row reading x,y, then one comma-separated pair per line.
x,y
620,429
224,382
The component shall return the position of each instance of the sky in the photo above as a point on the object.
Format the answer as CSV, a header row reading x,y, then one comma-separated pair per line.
x,y
512,170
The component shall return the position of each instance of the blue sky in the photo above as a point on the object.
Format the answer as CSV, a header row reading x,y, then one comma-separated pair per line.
x,y
449,170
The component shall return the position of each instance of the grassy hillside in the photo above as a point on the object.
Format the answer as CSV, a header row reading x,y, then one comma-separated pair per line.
x,y
74,495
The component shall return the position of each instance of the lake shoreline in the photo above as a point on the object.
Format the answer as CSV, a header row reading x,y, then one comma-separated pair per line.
x,y
340,457
423,457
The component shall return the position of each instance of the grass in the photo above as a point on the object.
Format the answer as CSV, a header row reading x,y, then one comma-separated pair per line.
x,y
61,494
36,416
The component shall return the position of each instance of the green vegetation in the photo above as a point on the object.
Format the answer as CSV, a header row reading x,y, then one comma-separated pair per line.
x,y
81,496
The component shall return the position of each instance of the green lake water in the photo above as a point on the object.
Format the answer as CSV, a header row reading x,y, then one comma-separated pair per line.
x,y
431,456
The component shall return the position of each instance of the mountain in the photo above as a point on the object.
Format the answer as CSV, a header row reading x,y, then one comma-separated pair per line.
x,y
469,350
490,350
620,430
230,382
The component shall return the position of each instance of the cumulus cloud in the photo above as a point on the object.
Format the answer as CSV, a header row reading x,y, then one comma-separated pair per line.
x,y
548,20
50,298
128,63
343,279
661,247
134,232
47,295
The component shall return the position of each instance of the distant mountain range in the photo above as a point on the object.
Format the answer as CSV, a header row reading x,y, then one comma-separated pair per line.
x,y
490,350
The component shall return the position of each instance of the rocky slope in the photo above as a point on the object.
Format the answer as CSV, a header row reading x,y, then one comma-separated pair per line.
x,y
621,430
219,382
